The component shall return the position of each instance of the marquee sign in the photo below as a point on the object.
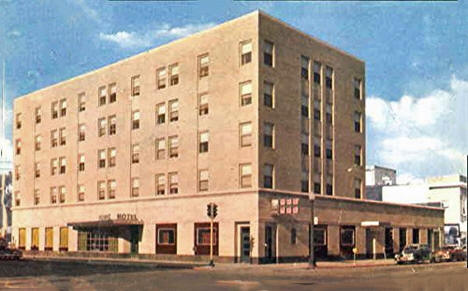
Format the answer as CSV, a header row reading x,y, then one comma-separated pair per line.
x,y
285,206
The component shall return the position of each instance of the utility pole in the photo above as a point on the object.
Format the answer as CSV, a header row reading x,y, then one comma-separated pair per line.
x,y
311,239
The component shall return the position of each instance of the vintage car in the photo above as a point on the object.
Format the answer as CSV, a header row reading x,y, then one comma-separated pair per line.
x,y
449,253
414,253
10,254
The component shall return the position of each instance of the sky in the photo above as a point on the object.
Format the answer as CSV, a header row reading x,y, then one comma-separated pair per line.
x,y
415,52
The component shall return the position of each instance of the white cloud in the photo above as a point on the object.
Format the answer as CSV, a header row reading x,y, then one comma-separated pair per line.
x,y
421,136
133,40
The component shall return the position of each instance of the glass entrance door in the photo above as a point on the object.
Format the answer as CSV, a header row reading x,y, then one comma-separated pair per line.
x,y
245,244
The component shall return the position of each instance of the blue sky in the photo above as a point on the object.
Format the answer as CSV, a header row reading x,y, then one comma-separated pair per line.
x,y
416,59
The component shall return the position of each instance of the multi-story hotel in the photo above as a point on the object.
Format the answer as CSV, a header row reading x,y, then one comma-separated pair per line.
x,y
252,115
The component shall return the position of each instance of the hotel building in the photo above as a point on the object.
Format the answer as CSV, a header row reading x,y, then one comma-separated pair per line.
x,y
252,115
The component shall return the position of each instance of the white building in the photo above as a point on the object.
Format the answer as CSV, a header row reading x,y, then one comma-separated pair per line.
x,y
376,178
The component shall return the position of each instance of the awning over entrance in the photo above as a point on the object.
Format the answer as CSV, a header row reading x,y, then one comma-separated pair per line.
x,y
105,223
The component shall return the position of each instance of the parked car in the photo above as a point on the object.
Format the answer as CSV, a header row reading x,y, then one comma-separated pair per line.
x,y
449,253
414,253
10,254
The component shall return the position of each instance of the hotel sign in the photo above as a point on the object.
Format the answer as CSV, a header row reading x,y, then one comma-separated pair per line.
x,y
119,216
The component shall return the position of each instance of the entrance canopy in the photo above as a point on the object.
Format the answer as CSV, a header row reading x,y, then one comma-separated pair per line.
x,y
105,223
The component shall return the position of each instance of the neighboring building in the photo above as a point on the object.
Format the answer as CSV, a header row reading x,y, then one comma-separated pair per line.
x,y
252,115
446,191
376,178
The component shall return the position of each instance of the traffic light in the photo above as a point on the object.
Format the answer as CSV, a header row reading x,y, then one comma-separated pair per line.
x,y
208,210
215,210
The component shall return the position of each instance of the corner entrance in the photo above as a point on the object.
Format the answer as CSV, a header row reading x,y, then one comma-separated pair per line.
x,y
245,244
270,243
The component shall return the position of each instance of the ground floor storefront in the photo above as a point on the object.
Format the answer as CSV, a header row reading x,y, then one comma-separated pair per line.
x,y
251,227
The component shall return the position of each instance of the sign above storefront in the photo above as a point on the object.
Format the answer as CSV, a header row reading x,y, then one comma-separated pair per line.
x,y
119,216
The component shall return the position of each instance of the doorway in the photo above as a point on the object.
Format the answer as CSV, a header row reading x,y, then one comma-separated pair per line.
x,y
245,244
134,238
270,244
402,238
389,241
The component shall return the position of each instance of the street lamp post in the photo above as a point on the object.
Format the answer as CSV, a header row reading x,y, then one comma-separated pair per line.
x,y
312,264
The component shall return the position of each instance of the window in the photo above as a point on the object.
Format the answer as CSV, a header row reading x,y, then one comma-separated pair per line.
x,y
204,236
293,236
53,166
357,121
268,94
304,68
160,148
112,152
347,236
174,72
317,71
81,132
54,110
81,192
37,197
53,195
329,150
101,185
329,77
161,113
203,180
246,52
38,115
173,146
18,121
173,183
63,194
112,125
166,236
161,78
317,149
111,186
204,66
203,146
17,198
246,93
18,146
63,107
305,181
17,172
112,93
102,95
102,126
305,144
160,184
317,184
268,176
268,50
136,120
268,132
54,138
37,143
81,162
63,242
97,242
135,154
173,110
245,134
135,187
49,239
135,83
329,114
357,188
62,136
245,175
63,165
357,155
357,88
81,102
305,107
320,236
317,110
101,158
415,235
203,107
329,186
37,170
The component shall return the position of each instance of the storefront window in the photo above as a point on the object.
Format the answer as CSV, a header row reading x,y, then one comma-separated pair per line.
x,y
320,237
347,236
97,242
203,236
166,236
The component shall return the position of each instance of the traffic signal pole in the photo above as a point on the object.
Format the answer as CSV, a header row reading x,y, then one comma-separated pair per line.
x,y
211,242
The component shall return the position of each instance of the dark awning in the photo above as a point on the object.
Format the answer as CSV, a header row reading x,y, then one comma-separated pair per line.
x,y
105,223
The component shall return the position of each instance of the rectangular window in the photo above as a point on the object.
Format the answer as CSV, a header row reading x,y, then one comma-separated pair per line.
x,y
37,170
18,121
329,77
81,102
81,162
203,146
329,186
317,149
54,110
203,180
357,121
357,188
112,124
101,185
246,52
53,166
135,83
38,115
18,146
304,68
329,150
245,134
415,235
268,133
62,136
37,142
173,183
161,76
54,138
160,184
357,88
320,236
166,236
357,155
81,132
112,153
35,238
160,113
63,243
268,176
17,198
37,197
135,187
63,107
347,236
112,93
317,109
135,119
329,114
53,195
246,93
135,154
245,171
204,235
305,182
63,194
268,51
305,106
173,110
268,89
317,72
101,158
173,146
111,186
102,95
49,239
81,192
174,74
203,107
63,165
317,187
305,144
160,148
17,172
204,65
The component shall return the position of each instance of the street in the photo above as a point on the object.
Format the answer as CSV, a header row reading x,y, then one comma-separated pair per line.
x,y
72,275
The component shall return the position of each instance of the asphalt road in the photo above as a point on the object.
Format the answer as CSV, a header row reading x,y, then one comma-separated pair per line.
x,y
56,275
